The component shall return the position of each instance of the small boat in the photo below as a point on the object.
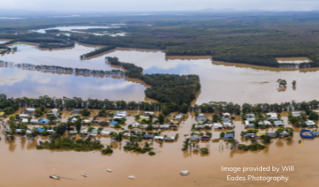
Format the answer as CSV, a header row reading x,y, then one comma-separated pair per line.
x,y
54,176
85,175
131,177
109,170
185,172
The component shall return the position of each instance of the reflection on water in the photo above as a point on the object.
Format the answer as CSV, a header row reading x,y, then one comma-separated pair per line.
x,y
220,81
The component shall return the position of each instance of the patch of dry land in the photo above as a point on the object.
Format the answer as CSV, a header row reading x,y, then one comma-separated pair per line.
x,y
295,60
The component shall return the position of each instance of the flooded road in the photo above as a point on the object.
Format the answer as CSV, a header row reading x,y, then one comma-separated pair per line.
x,y
20,160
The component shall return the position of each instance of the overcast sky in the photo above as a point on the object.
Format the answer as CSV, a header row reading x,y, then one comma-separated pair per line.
x,y
158,5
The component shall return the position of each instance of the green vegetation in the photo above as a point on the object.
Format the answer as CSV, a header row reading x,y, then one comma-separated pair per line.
x,y
97,51
108,150
88,144
204,151
253,147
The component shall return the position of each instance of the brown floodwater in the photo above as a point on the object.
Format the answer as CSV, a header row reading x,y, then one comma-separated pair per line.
x,y
21,160
220,81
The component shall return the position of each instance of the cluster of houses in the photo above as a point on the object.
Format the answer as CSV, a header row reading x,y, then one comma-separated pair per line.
x,y
308,122
225,122
272,120
29,112
149,137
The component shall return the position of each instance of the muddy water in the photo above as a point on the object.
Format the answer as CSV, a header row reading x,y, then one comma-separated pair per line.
x,y
220,81
20,160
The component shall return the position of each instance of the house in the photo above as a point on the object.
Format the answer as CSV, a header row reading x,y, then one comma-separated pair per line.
x,y
251,119
248,124
194,138
201,117
208,126
105,133
267,123
44,121
135,125
121,113
148,136
218,126
25,120
260,123
296,114
148,113
94,132
29,111
155,126
74,119
73,132
55,111
169,138
228,136
165,126
228,125
24,116
158,137
76,111
143,126
278,123
272,116
310,123
226,115
114,123
178,118
284,134
272,134
137,135
117,118
34,121
84,131
205,138
95,122
18,131
251,135
127,134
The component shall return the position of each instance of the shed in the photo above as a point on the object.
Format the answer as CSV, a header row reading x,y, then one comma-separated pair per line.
x,y
44,121
194,138
146,136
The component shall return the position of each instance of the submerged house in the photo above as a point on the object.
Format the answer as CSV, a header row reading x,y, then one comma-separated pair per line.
x,y
218,126
228,136
25,120
272,116
272,134
201,117
194,138
169,138
76,111
34,121
310,123
146,136
165,126
178,118
251,135
278,123
114,123
205,138
29,111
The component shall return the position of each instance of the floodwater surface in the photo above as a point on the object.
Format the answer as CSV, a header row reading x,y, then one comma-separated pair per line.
x,y
228,82
21,160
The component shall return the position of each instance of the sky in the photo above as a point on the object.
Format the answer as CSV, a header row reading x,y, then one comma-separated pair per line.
x,y
158,5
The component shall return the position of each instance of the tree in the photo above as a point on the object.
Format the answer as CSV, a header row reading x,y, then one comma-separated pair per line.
x,y
184,108
313,115
51,117
161,118
78,124
85,112
294,83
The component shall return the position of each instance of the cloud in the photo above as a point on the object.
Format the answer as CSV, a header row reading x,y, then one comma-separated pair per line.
x,y
159,5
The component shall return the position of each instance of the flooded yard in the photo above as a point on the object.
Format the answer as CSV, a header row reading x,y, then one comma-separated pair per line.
x,y
21,159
